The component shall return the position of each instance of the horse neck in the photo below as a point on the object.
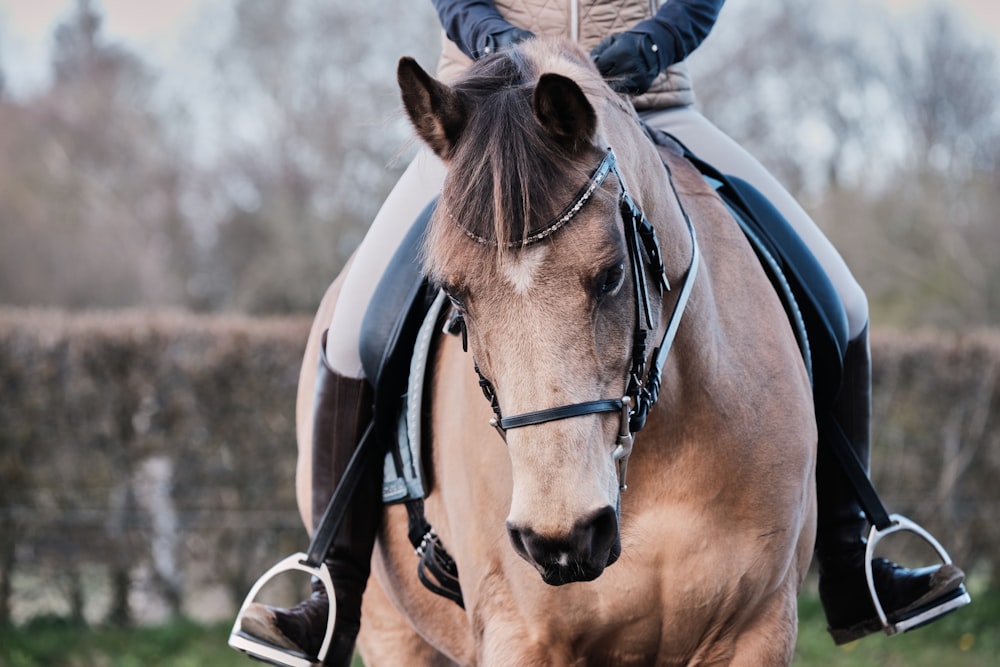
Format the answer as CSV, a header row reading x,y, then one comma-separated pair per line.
x,y
730,310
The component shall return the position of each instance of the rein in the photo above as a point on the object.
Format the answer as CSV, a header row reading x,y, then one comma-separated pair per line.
x,y
643,388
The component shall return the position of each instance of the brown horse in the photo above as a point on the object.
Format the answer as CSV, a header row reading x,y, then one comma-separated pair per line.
x,y
700,560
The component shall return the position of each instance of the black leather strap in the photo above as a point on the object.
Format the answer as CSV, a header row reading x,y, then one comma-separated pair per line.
x,y
336,509
849,462
561,412
436,569
438,573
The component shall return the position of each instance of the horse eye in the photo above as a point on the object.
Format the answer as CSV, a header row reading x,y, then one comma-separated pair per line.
x,y
609,280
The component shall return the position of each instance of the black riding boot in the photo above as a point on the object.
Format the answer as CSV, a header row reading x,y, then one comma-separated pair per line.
x,y
840,541
342,410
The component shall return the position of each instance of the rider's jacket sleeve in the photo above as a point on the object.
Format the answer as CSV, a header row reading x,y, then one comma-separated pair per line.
x,y
680,26
677,28
468,22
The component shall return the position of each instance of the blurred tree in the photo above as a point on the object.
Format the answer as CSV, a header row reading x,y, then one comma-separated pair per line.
x,y
89,184
886,129
309,102
928,237
947,77
800,85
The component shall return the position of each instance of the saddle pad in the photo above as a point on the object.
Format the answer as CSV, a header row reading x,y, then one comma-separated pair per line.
x,y
403,474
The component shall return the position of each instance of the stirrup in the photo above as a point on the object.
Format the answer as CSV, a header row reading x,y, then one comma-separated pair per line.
x,y
921,616
276,655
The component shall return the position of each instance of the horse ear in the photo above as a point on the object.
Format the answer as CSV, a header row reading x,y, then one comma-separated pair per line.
x,y
564,111
436,111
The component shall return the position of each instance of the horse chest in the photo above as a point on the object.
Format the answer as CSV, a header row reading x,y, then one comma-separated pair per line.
x,y
632,615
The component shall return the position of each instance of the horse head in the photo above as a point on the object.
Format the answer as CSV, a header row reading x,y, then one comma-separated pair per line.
x,y
528,241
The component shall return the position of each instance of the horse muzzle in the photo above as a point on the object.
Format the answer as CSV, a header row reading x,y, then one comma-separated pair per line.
x,y
580,555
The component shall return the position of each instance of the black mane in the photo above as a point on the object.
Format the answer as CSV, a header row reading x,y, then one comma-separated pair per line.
x,y
509,178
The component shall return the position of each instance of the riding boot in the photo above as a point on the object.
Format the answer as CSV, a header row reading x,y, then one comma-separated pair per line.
x,y
342,411
840,542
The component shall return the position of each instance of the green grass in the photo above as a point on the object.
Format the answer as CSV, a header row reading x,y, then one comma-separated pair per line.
x,y
62,644
967,638
54,642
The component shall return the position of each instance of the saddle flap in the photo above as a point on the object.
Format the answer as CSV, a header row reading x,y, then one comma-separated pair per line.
x,y
810,299
396,309
396,336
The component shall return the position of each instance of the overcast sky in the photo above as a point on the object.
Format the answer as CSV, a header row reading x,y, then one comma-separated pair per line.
x,y
157,31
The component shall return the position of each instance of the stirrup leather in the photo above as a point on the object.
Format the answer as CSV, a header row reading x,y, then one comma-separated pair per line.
x,y
914,618
277,655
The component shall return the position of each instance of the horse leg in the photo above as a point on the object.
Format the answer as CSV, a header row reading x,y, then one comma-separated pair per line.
x,y
394,599
770,639
388,638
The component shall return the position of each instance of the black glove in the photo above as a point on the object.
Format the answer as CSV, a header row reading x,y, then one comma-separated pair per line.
x,y
501,40
629,61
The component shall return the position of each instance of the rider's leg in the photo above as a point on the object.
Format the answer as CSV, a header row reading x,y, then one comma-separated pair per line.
x,y
840,545
715,147
341,411
418,185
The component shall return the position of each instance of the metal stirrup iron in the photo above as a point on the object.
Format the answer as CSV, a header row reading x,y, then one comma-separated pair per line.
x,y
310,562
922,615
882,525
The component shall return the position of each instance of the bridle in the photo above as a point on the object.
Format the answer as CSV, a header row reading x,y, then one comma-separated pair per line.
x,y
643,387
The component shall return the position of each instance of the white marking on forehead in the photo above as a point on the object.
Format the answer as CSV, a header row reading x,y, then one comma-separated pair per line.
x,y
520,271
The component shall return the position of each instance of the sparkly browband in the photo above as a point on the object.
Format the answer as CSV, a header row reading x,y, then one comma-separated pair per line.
x,y
596,179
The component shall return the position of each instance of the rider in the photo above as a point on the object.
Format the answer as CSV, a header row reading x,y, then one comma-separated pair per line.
x,y
640,51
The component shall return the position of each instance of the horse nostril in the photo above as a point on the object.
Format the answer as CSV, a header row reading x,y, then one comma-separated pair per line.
x,y
517,541
579,555
603,532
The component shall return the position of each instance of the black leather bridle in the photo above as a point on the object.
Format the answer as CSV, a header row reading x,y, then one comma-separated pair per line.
x,y
643,387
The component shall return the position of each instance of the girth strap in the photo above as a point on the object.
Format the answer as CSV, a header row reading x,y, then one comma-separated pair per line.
x,y
436,570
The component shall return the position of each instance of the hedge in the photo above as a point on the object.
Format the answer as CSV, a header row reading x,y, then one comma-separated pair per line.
x,y
160,446
147,459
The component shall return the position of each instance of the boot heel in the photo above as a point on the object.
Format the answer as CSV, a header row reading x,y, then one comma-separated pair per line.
x,y
948,597
271,652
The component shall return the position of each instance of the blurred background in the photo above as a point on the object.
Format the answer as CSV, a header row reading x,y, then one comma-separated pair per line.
x,y
226,155
180,181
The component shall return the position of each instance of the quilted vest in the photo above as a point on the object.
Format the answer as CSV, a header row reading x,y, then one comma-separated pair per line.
x,y
586,22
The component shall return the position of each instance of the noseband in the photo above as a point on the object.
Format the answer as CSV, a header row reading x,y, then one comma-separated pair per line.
x,y
643,387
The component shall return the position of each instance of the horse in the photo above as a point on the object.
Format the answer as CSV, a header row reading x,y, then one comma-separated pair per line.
x,y
579,539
